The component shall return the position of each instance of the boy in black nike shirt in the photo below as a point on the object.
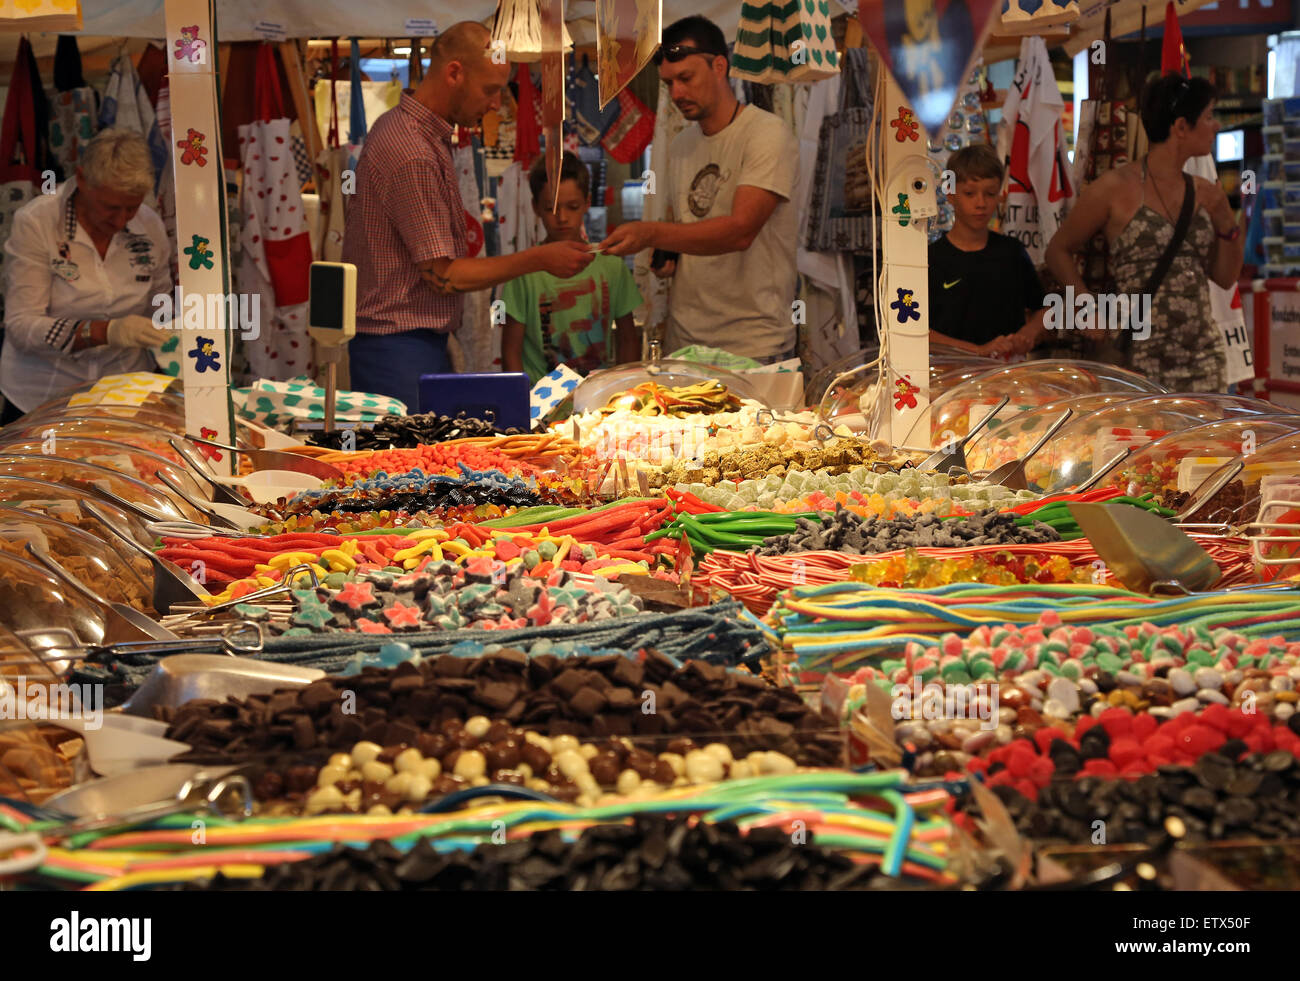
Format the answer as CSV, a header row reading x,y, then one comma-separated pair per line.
x,y
985,295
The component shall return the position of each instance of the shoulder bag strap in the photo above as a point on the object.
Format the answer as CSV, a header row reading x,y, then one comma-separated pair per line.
x,y
1180,234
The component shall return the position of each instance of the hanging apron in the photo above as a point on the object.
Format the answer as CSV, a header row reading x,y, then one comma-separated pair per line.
x,y
336,163
20,178
74,108
276,258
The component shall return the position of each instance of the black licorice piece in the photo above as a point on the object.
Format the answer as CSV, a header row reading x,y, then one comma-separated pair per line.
x,y
654,853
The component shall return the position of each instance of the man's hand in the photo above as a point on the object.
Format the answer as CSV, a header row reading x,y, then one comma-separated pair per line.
x,y
666,270
1211,196
564,259
997,347
629,238
135,332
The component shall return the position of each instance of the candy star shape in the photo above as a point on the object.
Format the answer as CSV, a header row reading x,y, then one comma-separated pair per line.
x,y
356,595
313,614
367,626
402,616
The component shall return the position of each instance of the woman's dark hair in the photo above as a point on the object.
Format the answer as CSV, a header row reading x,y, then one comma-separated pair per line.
x,y
1171,98
571,169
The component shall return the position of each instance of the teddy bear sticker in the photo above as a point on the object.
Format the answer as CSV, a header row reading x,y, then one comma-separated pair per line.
x,y
189,47
193,150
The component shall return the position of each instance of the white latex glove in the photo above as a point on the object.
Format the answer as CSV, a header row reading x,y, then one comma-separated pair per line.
x,y
134,331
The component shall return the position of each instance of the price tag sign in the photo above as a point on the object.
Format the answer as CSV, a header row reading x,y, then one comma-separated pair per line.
x,y
420,27
269,30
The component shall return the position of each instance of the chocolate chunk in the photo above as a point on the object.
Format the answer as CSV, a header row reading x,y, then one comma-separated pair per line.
x,y
496,695
317,696
586,702
304,733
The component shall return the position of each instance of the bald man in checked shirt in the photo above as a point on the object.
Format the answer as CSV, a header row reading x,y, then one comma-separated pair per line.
x,y
406,226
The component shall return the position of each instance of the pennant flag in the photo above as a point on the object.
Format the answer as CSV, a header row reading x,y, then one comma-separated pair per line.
x,y
1173,53
929,46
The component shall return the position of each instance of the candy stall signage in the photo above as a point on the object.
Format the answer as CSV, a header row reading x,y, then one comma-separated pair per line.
x,y
1284,335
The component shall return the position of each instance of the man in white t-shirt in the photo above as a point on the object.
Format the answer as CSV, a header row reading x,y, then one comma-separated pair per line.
x,y
729,185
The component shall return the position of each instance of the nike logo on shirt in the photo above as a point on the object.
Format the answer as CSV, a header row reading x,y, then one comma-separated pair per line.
x,y
949,286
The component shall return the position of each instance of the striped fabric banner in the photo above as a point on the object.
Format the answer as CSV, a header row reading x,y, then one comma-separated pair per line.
x,y
785,42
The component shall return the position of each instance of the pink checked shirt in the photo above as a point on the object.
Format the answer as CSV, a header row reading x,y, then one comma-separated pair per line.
x,y
407,210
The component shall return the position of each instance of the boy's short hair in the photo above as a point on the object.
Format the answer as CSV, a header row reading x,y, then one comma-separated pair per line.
x,y
976,163
571,169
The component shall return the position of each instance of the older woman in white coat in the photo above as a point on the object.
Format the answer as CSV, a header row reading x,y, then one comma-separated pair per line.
x,y
82,268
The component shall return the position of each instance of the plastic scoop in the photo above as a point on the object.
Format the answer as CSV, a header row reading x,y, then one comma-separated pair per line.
x,y
955,458
117,743
200,470
268,486
1012,473
277,460
221,514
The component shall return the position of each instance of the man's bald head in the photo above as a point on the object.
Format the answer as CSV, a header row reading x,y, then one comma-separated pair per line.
x,y
464,80
468,42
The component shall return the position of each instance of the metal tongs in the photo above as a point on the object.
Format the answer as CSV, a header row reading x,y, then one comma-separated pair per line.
x,y
222,793
285,585
51,645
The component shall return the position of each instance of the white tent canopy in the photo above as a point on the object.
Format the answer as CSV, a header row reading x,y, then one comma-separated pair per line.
x,y
236,19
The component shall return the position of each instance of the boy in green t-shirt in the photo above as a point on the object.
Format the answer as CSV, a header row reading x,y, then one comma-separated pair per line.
x,y
552,321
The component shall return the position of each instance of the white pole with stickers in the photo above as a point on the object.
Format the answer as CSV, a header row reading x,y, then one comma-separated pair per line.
x,y
204,276
903,301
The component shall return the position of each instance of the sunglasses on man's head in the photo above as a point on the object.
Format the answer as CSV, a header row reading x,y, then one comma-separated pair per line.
x,y
677,52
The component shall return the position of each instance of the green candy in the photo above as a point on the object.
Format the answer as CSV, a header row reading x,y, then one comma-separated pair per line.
x,y
1246,661
1014,660
958,677
336,580
928,675
1051,668
890,665
1110,663
547,551
1072,670
984,669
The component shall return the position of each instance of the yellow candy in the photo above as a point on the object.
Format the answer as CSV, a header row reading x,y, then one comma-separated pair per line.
x,y
336,556
438,533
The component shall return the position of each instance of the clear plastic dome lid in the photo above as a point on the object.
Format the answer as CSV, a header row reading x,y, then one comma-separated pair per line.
x,y
164,415
32,599
121,457
62,502
1094,440
1271,473
89,476
1174,466
1012,439
600,386
147,437
1027,385
93,561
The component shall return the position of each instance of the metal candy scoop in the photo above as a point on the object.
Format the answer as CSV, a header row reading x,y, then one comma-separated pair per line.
x,y
178,679
277,460
117,743
1149,555
945,459
204,508
121,622
170,583
201,472
1012,473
